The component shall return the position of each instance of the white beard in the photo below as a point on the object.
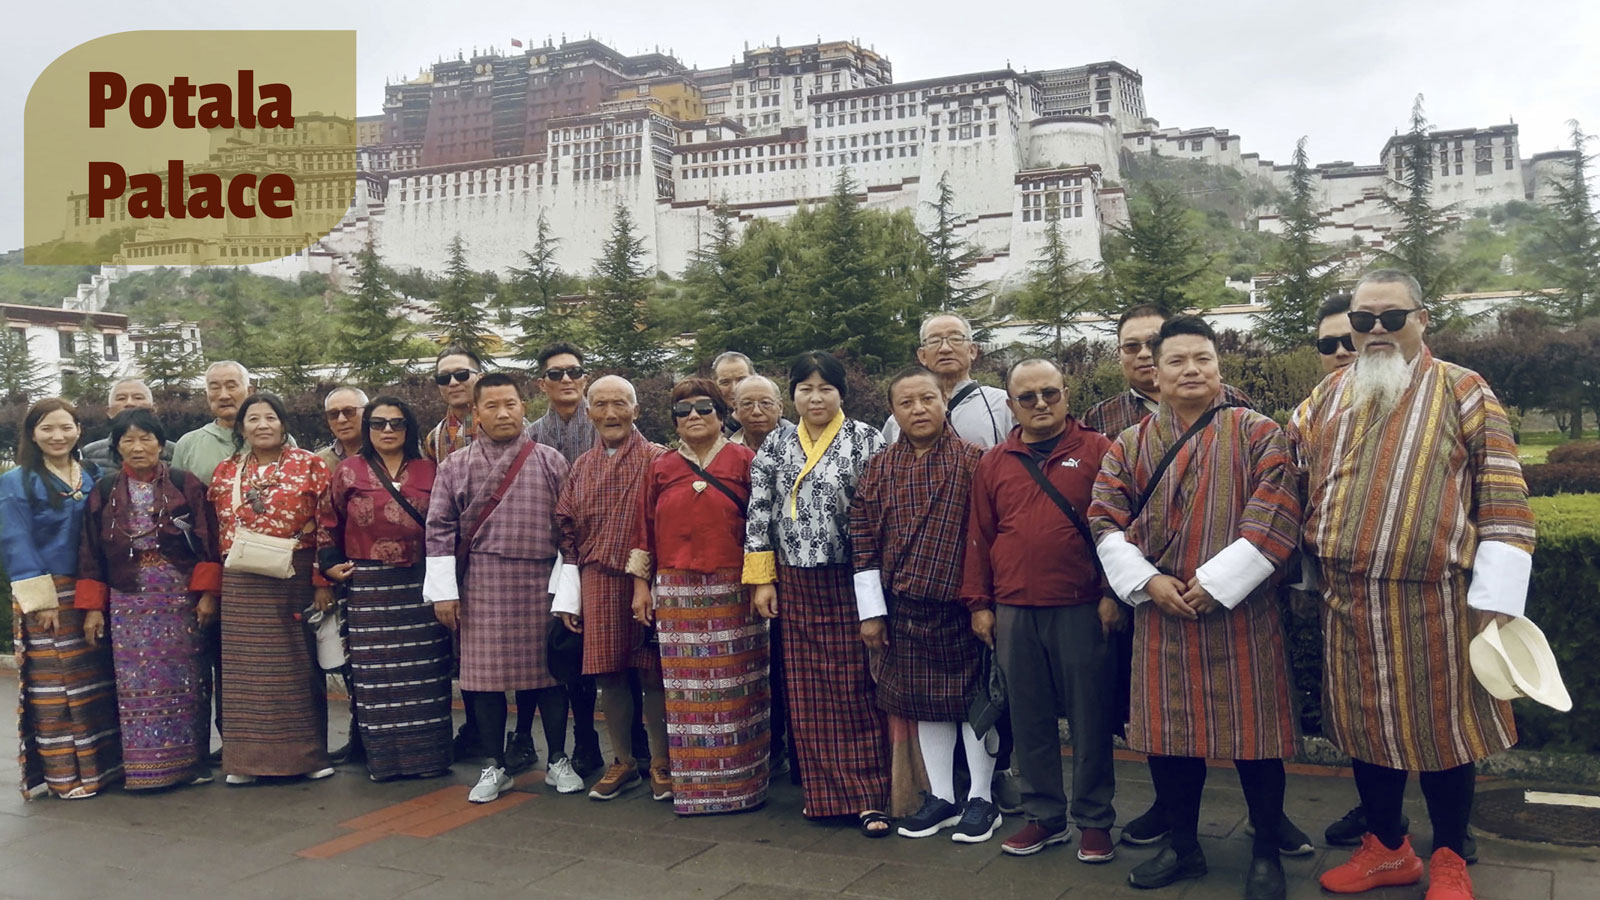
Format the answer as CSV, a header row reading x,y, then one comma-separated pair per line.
x,y
1379,379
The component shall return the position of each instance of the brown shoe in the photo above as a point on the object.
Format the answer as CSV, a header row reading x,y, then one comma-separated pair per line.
x,y
619,777
661,782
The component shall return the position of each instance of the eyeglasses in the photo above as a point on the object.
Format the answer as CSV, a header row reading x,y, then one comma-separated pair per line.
x,y
1328,346
573,372
956,342
1392,319
1132,348
682,408
767,405
344,412
376,424
1051,397
460,375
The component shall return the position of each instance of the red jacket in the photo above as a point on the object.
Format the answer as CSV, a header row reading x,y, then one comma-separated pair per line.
x,y
1021,549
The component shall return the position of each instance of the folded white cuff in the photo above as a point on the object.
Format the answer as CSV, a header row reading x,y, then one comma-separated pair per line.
x,y
1232,574
869,594
1500,579
568,591
439,580
1126,568
35,594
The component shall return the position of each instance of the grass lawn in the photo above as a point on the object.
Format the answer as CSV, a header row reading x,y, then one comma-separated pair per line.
x,y
1536,445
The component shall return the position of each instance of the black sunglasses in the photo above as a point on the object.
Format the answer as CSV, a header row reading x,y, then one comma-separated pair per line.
x,y
682,408
377,424
1392,319
1328,346
573,372
460,375
1051,396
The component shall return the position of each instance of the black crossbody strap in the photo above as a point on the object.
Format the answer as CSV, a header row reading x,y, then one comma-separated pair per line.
x,y
1060,501
383,479
716,482
960,395
1172,454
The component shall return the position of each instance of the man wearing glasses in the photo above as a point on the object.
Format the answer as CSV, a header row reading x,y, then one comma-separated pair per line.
x,y
563,379
980,415
759,405
1419,452
455,370
342,410
1335,345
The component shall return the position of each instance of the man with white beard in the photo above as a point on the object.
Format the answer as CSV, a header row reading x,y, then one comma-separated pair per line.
x,y
1417,516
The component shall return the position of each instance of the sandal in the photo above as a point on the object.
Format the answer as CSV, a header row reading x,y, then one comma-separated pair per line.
x,y
873,817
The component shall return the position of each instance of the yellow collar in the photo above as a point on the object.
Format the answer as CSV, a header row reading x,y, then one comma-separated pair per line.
x,y
814,451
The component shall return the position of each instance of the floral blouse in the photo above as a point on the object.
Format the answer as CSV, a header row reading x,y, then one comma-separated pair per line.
x,y
279,499
360,519
817,533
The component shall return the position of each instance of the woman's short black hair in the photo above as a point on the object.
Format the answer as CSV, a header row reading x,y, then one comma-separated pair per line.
x,y
135,417
817,362
263,397
411,446
702,387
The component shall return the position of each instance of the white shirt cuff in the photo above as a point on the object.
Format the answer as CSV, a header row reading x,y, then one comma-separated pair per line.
x,y
1500,579
869,594
555,575
569,591
439,580
1232,574
1126,568
1137,597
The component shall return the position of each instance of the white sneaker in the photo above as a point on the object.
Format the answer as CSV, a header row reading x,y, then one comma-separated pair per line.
x,y
240,779
491,784
563,777
320,773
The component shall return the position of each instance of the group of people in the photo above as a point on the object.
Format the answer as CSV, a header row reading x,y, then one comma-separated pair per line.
x,y
768,596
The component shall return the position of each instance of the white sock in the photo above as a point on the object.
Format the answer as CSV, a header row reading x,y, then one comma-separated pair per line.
x,y
938,740
979,763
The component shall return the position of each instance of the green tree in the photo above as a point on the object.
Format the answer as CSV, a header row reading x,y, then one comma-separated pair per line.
x,y
1569,236
373,335
458,309
297,347
537,288
1058,290
88,379
22,377
1418,244
619,316
166,364
950,286
1158,256
1305,271
847,315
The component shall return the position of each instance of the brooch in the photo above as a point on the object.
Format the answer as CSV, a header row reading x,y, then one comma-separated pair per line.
x,y
699,486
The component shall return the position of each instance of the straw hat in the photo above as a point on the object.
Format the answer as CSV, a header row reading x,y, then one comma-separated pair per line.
x,y
1514,660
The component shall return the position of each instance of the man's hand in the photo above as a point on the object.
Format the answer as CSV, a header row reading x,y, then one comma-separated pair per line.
x,y
323,598
205,609
448,612
643,611
94,627
573,623
341,572
46,621
875,633
1112,616
983,626
1480,619
1197,598
764,597
1166,593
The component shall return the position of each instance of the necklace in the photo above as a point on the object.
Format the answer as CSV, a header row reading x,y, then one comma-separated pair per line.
x,y
73,480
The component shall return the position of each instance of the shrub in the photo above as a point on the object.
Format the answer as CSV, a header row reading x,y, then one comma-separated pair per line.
x,y
1575,452
1564,599
1551,478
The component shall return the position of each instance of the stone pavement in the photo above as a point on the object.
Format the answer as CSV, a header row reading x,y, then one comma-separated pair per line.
x,y
349,839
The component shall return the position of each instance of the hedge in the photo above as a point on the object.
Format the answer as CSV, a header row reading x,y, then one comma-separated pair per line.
x,y
1551,478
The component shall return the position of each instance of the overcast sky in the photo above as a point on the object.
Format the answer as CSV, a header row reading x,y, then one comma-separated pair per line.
x,y
1342,74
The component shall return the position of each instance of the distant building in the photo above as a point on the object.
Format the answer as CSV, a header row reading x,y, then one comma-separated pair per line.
x,y
55,336
1098,89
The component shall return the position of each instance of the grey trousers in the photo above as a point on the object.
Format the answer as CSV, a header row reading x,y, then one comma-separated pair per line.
x,y
1056,662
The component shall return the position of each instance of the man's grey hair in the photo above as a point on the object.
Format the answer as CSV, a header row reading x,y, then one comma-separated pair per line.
x,y
966,327
346,388
1393,276
244,374
763,380
122,381
609,380
730,356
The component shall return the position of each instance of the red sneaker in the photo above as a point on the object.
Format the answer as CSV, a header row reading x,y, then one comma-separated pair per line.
x,y
1094,845
1034,837
1374,865
1447,877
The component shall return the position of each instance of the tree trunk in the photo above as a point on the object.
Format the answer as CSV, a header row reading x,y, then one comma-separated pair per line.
x,y
1575,426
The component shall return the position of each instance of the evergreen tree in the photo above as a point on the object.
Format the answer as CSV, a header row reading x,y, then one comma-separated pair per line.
x,y
1417,245
295,358
1058,290
167,365
22,377
458,310
846,315
1569,233
1158,257
721,279
373,335
537,288
620,314
88,379
1305,271
953,256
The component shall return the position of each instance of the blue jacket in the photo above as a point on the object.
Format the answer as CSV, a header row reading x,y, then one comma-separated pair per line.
x,y
36,538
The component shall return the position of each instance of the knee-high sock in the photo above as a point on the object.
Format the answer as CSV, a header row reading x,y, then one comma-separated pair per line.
x,y
552,703
490,707
938,740
654,694
979,763
1449,795
616,701
1263,783
1179,781
1382,789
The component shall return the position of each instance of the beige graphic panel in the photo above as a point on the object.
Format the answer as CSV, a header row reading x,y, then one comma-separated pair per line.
x,y
190,148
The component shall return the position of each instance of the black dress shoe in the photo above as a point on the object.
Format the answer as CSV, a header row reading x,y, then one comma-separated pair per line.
x,y
1166,868
1347,832
1265,880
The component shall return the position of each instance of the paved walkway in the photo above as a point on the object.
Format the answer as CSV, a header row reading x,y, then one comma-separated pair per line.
x,y
349,839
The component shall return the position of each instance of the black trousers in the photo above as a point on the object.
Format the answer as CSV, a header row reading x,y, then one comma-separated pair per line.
x,y
1179,781
1449,795
490,707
